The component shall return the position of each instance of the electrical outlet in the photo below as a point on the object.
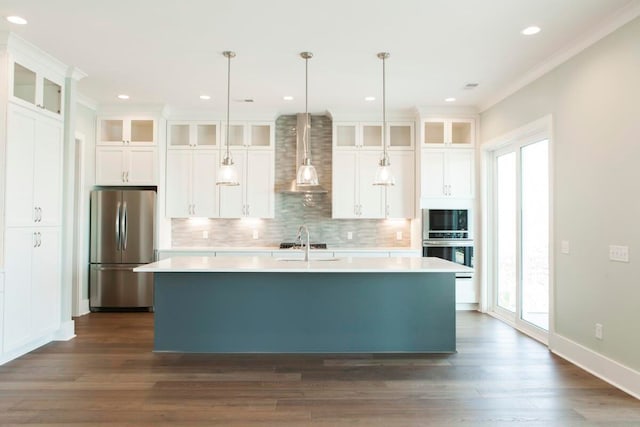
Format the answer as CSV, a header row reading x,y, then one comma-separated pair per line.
x,y
598,331
349,235
398,235
256,235
564,247
205,234
619,253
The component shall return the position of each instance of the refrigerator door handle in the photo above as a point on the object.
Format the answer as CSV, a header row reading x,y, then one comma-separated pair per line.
x,y
124,227
118,239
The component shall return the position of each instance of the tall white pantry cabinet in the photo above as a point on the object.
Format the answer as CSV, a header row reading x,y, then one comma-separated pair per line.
x,y
31,156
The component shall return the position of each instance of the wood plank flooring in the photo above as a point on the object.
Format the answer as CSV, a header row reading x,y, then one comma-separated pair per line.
x,y
108,375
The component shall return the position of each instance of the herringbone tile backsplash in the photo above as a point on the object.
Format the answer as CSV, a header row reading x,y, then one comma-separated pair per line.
x,y
292,210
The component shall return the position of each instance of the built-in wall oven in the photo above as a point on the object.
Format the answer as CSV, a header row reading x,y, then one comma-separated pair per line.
x,y
447,234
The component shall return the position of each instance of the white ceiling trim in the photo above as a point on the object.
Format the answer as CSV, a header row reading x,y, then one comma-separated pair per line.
x,y
612,23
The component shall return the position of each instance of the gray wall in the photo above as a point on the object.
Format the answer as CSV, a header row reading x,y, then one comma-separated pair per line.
x,y
594,99
292,210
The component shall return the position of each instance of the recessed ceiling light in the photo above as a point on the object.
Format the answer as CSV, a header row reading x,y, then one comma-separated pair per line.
x,y
17,20
288,98
205,97
529,31
369,98
123,96
450,99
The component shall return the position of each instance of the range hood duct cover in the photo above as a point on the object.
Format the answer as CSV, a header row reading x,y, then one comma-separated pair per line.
x,y
294,188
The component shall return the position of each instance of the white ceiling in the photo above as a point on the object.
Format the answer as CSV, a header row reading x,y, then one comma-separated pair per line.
x,y
168,52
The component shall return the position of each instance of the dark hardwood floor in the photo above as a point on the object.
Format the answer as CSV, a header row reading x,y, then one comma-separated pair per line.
x,y
108,375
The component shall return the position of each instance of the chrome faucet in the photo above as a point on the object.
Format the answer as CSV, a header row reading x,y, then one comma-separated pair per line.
x,y
299,238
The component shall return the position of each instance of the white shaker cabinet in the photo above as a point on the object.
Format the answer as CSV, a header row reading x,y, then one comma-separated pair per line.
x,y
254,197
448,132
126,152
34,162
447,173
126,165
191,184
32,288
36,87
399,198
354,195
193,135
126,131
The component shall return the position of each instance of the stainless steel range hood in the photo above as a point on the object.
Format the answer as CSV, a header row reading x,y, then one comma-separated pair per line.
x,y
294,188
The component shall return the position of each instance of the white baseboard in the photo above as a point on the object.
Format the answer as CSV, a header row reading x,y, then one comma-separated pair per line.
x,y
620,376
84,307
466,306
24,349
66,332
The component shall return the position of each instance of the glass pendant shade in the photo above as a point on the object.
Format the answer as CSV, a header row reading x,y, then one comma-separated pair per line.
x,y
227,174
384,175
307,174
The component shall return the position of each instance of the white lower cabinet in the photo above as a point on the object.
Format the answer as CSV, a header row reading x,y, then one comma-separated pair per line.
x,y
32,285
466,292
354,195
254,197
126,165
191,184
447,173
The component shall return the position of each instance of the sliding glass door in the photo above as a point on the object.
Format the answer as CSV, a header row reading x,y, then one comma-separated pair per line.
x,y
520,234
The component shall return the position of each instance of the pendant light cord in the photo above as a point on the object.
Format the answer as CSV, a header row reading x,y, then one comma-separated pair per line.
x,y
384,108
305,136
228,98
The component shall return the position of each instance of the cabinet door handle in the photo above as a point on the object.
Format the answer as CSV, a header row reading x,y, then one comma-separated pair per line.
x,y
126,175
194,208
35,239
38,239
248,210
35,214
122,176
39,214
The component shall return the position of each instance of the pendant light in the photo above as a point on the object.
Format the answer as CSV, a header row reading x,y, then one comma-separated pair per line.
x,y
384,175
228,174
307,175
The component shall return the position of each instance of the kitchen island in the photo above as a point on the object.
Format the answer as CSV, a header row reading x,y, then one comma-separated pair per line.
x,y
265,304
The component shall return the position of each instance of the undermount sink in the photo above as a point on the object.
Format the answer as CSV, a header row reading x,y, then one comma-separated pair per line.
x,y
302,260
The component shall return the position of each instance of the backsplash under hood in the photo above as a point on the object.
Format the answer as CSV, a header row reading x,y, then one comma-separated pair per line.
x,y
293,187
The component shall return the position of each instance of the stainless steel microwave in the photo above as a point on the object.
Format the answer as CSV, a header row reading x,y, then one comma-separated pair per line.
x,y
446,224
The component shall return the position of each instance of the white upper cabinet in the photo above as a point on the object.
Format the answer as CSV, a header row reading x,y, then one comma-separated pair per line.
x,y
34,163
126,165
448,132
126,152
258,135
191,184
400,135
349,135
193,135
37,87
254,197
447,173
354,195
126,131
400,197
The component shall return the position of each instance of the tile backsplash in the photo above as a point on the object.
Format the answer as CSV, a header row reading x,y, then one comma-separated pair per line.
x,y
293,210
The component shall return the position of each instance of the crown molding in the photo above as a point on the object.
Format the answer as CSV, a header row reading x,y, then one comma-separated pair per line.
x,y
623,16
86,101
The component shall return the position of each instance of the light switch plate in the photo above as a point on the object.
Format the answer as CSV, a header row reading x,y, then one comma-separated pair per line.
x,y
619,253
349,235
205,234
564,246
398,235
256,235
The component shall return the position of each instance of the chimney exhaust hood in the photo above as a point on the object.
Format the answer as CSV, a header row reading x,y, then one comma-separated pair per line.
x,y
294,188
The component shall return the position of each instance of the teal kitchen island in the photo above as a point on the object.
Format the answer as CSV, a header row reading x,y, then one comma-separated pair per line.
x,y
267,305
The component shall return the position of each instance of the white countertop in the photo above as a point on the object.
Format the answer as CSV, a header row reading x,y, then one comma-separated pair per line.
x,y
267,264
277,249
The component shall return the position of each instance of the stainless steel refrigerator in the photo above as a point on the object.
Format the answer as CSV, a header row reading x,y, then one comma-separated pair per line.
x,y
122,238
